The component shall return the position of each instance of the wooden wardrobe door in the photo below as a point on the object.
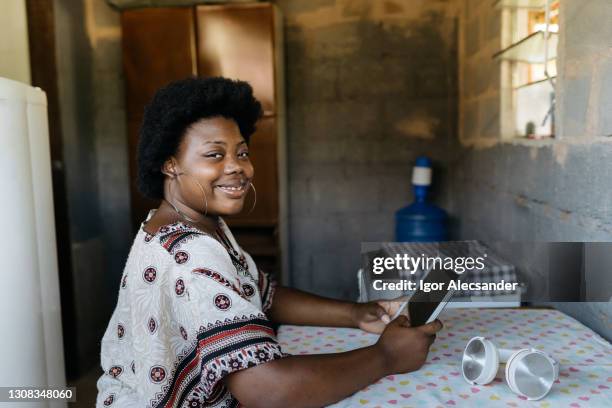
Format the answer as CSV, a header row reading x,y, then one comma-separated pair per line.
x,y
158,47
237,41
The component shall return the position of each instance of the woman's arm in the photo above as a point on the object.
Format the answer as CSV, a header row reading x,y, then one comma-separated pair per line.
x,y
318,380
292,306
307,380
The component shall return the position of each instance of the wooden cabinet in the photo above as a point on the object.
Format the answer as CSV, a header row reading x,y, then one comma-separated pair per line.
x,y
239,41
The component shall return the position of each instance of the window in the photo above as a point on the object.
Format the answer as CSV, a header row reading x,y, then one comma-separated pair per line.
x,y
529,38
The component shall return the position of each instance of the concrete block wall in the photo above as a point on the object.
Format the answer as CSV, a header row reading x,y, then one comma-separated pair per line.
x,y
555,190
540,190
480,37
370,85
585,95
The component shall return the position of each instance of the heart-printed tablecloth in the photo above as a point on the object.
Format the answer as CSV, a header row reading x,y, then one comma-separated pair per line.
x,y
585,378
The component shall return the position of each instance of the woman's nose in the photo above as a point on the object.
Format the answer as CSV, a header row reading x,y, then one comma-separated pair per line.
x,y
232,165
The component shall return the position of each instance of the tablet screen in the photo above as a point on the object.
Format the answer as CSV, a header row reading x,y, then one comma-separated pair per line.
x,y
423,304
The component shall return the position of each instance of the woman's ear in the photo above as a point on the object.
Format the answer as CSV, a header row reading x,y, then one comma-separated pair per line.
x,y
169,168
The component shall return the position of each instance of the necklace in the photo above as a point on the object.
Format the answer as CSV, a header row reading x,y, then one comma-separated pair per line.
x,y
184,216
237,258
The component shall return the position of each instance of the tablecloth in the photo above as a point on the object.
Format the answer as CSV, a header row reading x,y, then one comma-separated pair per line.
x,y
585,359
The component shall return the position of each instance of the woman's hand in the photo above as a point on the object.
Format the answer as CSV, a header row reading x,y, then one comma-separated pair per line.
x,y
374,316
405,348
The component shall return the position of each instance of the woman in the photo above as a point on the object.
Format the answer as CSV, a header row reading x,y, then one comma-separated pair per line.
x,y
192,325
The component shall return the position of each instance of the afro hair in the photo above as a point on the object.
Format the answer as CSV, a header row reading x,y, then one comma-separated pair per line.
x,y
178,105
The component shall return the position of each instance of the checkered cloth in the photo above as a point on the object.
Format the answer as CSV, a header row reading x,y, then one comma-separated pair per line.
x,y
496,268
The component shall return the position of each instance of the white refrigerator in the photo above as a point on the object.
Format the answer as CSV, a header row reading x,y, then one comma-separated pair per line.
x,y
31,349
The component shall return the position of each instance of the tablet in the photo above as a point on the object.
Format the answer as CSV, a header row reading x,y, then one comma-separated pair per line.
x,y
425,307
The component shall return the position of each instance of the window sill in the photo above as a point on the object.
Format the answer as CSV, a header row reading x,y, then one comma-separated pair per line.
x,y
524,141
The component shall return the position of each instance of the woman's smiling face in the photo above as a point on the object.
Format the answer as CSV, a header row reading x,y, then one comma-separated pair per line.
x,y
214,154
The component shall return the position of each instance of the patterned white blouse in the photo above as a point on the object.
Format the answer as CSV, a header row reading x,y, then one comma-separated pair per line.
x,y
190,311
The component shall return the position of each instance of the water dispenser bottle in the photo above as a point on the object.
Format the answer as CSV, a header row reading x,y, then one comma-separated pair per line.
x,y
421,221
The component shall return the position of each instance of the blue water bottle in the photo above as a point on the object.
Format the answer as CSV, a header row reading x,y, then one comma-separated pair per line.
x,y
421,221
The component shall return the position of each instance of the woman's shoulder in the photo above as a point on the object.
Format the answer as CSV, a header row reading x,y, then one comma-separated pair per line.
x,y
192,246
179,236
181,245
175,251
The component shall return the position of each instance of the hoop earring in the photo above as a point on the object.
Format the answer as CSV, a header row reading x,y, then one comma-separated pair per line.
x,y
174,207
205,199
255,200
175,178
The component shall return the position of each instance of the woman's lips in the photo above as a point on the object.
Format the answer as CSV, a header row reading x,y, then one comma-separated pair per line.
x,y
233,191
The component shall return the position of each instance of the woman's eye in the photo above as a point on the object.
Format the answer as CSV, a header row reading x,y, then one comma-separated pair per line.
x,y
243,154
214,155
